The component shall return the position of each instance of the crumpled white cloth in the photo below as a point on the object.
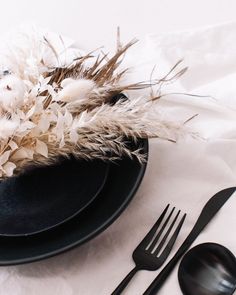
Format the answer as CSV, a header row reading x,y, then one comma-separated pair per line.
x,y
185,174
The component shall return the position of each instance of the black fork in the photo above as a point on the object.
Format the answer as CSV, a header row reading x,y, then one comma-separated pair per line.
x,y
148,254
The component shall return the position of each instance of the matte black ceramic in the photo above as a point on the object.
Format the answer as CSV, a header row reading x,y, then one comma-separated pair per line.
x,y
45,197
208,269
210,209
123,180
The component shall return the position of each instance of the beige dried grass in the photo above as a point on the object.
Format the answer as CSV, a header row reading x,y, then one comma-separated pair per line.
x,y
50,126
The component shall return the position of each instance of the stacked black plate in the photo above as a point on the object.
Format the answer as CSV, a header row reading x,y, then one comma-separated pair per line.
x,y
52,209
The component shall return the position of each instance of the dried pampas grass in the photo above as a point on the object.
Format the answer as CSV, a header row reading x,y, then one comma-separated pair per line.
x,y
50,111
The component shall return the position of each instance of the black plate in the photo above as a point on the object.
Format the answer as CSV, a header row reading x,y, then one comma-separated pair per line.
x,y
45,197
123,180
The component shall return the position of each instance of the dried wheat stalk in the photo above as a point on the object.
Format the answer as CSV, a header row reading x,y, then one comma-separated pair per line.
x,y
67,109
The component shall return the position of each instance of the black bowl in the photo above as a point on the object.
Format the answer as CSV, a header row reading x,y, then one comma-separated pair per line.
x,y
45,197
123,180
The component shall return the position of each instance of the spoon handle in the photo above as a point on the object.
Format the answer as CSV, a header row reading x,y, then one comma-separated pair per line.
x,y
208,212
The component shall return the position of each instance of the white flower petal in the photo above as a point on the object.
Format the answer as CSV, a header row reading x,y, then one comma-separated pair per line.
x,y
23,153
24,128
26,125
20,114
41,148
59,128
30,153
52,117
35,132
9,168
44,123
13,145
30,112
68,118
12,92
4,157
7,128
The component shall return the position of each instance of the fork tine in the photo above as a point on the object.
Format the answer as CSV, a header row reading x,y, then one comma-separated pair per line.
x,y
154,242
146,240
166,235
172,240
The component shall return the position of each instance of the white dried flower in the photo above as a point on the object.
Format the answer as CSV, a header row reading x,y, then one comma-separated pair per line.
x,y
9,168
50,109
75,89
7,128
12,91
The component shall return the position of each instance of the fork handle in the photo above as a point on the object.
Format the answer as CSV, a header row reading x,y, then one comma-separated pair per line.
x,y
125,281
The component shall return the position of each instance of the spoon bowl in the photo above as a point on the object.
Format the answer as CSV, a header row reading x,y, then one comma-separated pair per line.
x,y
208,269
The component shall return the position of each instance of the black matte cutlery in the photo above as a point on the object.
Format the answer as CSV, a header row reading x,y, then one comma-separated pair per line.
x,y
208,212
150,254
208,268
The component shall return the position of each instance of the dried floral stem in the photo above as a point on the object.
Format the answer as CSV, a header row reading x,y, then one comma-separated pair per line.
x,y
70,109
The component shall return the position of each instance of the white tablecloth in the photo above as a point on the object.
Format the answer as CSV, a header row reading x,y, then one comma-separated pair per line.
x,y
185,174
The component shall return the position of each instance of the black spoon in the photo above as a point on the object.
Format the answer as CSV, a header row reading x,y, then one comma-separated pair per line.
x,y
208,269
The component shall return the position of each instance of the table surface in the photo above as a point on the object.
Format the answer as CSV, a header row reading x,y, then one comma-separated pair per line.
x,y
185,174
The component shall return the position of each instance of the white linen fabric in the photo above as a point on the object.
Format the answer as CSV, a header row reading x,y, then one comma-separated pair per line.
x,y
185,174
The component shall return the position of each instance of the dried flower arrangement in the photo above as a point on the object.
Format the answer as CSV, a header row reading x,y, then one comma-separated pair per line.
x,y
48,110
